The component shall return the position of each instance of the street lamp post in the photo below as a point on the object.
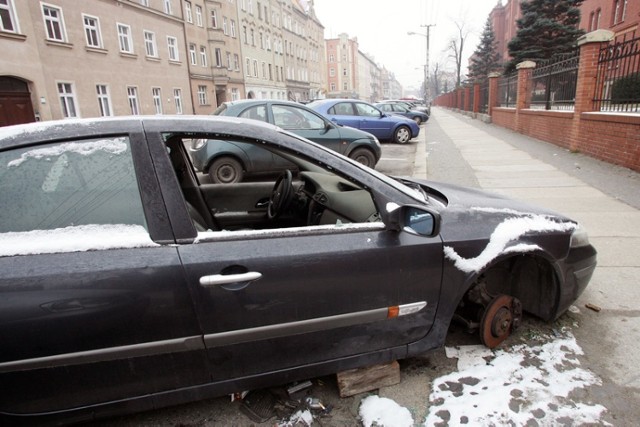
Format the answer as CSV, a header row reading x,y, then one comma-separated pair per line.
x,y
427,89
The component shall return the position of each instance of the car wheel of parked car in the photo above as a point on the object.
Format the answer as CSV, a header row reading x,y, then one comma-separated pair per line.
x,y
418,120
364,156
226,170
402,135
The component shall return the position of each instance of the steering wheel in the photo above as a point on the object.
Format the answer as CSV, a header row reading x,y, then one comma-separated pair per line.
x,y
281,195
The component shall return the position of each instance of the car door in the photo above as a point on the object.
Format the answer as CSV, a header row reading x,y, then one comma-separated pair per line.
x,y
308,125
343,113
273,299
373,121
94,307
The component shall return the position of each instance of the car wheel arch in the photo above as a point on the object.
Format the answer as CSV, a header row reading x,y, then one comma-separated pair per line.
x,y
232,156
532,278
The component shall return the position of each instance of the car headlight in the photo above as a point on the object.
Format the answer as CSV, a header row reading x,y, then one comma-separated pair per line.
x,y
197,144
579,237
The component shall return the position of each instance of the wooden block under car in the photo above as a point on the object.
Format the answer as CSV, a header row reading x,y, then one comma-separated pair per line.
x,y
355,381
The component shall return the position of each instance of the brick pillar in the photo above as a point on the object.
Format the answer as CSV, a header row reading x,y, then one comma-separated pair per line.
x,y
467,98
587,81
523,90
476,98
494,101
459,105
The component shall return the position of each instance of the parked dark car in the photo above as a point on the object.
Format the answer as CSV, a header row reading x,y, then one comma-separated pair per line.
x,y
126,284
410,104
400,110
364,116
229,162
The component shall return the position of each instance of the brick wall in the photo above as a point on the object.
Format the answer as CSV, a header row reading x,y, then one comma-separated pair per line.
x,y
612,137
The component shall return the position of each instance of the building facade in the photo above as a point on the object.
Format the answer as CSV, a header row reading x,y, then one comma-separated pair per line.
x,y
622,17
342,67
112,58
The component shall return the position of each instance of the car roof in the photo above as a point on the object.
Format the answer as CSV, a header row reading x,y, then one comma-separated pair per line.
x,y
25,134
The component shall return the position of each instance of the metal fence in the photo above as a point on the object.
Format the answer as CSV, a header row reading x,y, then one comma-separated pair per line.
x,y
508,90
618,81
553,85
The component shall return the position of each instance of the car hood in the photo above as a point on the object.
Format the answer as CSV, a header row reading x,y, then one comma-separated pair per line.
x,y
473,214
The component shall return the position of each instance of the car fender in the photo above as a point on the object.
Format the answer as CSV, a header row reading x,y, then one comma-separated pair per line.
x,y
230,149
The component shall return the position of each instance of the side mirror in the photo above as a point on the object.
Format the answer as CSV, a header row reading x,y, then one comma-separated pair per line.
x,y
415,220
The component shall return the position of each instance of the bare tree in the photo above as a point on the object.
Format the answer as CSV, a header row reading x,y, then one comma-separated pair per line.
x,y
456,46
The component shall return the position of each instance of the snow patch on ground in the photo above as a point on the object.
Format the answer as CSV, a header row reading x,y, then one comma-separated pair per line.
x,y
75,239
524,385
300,418
506,232
380,411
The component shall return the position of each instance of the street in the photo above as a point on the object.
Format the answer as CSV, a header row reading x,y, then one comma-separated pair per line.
x,y
598,337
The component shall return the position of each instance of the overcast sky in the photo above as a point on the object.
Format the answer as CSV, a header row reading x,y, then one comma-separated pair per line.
x,y
381,27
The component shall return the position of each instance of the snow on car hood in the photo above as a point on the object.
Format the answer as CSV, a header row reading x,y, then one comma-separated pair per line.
x,y
490,225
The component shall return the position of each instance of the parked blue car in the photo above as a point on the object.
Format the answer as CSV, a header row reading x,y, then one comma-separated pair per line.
x,y
366,117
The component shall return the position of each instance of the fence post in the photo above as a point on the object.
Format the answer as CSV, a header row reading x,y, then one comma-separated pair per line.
x,y
493,93
589,45
476,98
523,89
587,80
467,100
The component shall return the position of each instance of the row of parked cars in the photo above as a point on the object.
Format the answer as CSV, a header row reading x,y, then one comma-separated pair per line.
x,y
351,127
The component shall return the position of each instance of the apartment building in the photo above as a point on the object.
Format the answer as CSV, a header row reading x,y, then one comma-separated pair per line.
x,y
66,59
342,65
317,60
262,47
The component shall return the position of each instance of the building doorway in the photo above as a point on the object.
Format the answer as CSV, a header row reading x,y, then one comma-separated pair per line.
x,y
15,102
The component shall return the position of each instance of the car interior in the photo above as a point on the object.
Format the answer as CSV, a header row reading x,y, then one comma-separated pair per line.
x,y
307,197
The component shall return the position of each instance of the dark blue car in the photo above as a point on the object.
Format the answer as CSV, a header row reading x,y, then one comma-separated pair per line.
x,y
364,116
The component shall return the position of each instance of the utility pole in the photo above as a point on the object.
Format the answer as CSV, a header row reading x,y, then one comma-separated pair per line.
x,y
426,66
427,90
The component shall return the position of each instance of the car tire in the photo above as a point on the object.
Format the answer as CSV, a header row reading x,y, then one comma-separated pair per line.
x,y
402,135
226,170
418,120
363,156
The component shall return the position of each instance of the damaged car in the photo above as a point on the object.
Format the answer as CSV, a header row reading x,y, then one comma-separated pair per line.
x,y
127,283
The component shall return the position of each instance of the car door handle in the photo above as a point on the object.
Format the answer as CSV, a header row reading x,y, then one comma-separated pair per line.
x,y
225,279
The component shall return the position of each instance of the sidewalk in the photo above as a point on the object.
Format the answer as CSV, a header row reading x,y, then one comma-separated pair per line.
x,y
488,158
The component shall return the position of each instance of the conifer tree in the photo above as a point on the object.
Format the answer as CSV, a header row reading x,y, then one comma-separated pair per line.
x,y
547,28
485,59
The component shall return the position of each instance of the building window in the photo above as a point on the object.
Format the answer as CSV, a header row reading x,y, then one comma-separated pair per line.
x,y
619,11
214,19
192,54
218,53
332,72
332,87
235,94
344,86
264,70
225,29
199,16
229,61
247,66
244,34
150,46
233,28
236,62
253,37
172,44
54,23
167,7
92,31
67,100
202,95
104,101
255,68
124,38
203,56
188,14
157,99
132,96
8,20
144,3
177,98
344,71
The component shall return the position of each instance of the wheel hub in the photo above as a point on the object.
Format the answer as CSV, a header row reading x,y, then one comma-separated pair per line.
x,y
501,317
